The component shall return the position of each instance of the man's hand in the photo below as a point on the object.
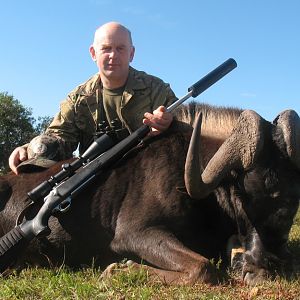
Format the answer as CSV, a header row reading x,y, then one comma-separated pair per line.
x,y
16,157
159,121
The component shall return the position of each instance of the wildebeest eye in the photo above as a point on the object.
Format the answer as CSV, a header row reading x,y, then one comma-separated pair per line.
x,y
271,182
275,195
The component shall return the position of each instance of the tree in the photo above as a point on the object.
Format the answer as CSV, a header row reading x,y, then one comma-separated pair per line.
x,y
42,124
17,127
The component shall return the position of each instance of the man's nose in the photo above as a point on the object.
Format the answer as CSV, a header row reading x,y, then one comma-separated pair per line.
x,y
112,53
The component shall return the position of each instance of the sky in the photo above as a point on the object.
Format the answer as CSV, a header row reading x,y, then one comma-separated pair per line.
x,y
44,48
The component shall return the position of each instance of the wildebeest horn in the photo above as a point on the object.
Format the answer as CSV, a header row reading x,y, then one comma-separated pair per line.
x,y
289,122
239,150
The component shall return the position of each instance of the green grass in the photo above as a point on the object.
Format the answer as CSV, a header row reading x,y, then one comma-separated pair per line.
x,y
62,283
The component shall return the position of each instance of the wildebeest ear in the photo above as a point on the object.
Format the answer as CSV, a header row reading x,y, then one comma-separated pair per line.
x,y
289,123
182,189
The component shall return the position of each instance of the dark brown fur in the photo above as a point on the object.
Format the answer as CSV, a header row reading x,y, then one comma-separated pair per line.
x,y
140,210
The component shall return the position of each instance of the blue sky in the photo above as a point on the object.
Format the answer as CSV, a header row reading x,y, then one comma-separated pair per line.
x,y
44,48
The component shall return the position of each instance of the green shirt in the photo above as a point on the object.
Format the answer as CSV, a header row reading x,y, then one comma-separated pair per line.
x,y
112,101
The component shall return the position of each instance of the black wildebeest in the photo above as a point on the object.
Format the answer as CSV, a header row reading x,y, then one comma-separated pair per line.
x,y
176,202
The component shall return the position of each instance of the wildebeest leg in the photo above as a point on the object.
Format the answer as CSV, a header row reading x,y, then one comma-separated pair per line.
x,y
256,260
177,264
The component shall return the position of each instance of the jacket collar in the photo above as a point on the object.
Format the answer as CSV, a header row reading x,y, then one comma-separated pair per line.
x,y
134,82
90,86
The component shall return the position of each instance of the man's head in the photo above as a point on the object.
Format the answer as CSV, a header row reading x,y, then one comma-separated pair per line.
x,y
113,51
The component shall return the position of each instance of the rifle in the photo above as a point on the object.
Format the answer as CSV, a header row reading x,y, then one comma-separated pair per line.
x,y
58,191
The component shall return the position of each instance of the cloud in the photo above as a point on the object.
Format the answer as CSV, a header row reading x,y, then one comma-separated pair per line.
x,y
100,2
248,95
156,18
134,11
152,17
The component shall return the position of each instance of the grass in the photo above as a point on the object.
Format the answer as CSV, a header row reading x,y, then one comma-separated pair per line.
x,y
62,283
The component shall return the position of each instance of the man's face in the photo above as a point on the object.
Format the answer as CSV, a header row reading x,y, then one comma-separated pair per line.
x,y
112,51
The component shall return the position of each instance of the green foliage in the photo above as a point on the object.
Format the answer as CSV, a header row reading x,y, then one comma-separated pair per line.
x,y
42,124
17,127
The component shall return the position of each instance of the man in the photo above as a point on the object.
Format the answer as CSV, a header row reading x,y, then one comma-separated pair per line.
x,y
117,91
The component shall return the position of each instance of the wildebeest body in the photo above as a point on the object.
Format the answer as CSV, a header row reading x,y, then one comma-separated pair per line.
x,y
140,209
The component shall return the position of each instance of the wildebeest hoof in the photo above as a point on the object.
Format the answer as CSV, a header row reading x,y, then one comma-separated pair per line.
x,y
112,269
109,271
115,267
235,253
256,277
205,274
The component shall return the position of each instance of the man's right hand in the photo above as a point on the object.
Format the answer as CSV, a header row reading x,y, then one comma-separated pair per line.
x,y
16,157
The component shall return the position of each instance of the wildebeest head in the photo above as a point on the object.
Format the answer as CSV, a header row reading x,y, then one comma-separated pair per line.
x,y
266,160
272,184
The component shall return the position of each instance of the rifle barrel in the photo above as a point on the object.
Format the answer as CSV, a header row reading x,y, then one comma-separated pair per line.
x,y
204,83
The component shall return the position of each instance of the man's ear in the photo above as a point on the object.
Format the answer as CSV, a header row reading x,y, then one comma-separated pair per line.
x,y
93,53
131,53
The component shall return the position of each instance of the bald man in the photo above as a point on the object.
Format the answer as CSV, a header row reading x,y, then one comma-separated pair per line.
x,y
116,92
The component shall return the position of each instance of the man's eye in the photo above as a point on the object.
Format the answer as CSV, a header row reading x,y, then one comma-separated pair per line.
x,y
105,49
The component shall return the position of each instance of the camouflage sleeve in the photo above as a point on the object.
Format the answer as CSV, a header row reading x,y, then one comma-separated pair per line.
x,y
63,125
171,97
162,94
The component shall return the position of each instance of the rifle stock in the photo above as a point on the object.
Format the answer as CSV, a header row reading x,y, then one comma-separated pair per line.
x,y
11,245
16,240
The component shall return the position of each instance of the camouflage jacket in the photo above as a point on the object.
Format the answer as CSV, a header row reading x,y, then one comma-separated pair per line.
x,y
79,113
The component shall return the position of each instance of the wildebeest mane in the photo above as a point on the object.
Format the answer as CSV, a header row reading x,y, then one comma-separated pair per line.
x,y
217,121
